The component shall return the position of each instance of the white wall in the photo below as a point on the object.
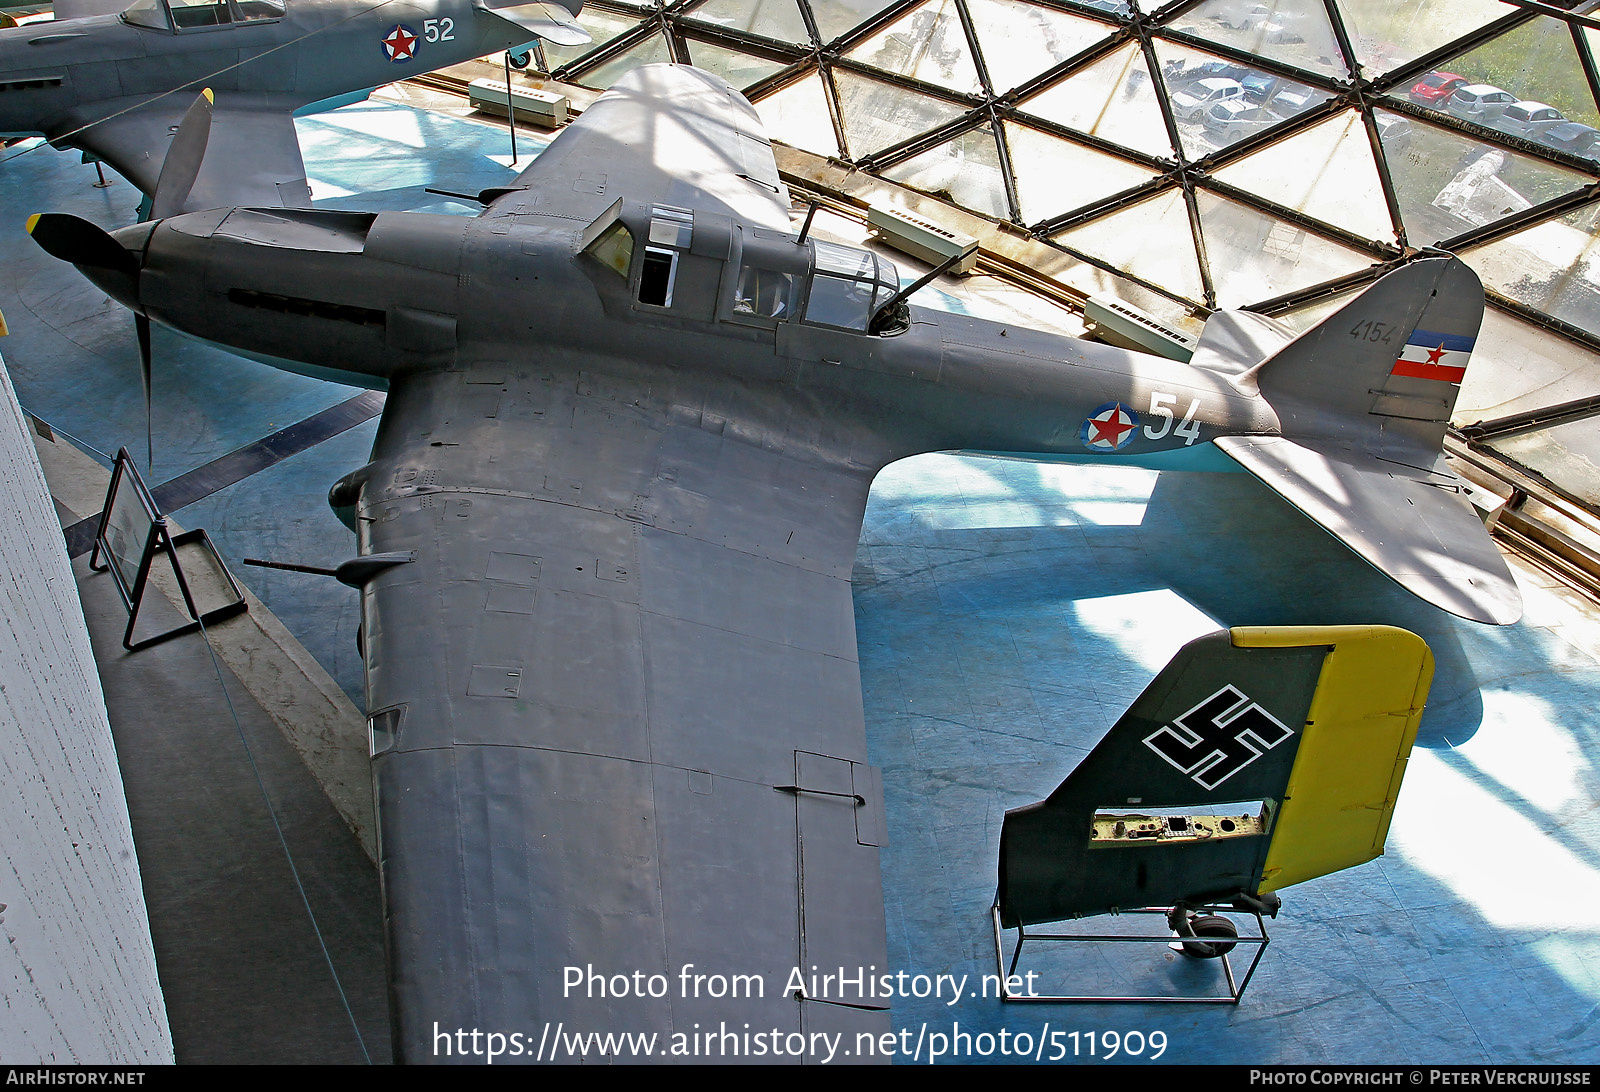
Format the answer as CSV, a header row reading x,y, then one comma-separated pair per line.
x,y
77,972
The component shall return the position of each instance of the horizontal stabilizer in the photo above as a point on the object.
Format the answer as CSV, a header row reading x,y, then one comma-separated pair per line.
x,y
1413,525
1258,758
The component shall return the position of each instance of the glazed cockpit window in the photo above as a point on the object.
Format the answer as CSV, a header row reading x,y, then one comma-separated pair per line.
x,y
848,285
764,293
188,14
147,13
614,248
245,11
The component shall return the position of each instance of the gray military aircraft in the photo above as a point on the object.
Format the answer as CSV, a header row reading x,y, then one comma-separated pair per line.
x,y
607,532
117,85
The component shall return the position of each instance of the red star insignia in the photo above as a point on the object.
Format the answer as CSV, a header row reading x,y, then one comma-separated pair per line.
x,y
1435,354
1110,430
401,46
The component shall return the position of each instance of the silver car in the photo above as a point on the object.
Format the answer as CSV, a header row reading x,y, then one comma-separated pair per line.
x,y
1479,102
1529,120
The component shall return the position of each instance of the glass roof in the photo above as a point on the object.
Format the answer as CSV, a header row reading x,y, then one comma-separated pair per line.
x,y
1189,155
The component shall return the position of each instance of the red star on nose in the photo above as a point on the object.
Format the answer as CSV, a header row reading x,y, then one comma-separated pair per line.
x,y
402,46
1435,354
1110,430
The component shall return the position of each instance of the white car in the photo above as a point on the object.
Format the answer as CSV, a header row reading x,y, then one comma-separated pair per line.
x,y
1193,101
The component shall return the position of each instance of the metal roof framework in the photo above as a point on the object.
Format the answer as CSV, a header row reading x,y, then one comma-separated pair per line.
x,y
1094,126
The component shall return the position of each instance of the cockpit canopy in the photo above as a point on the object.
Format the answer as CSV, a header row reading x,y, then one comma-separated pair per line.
x,y
766,276
183,15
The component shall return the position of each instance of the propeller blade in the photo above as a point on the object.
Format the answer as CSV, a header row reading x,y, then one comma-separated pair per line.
x,y
78,241
141,326
184,156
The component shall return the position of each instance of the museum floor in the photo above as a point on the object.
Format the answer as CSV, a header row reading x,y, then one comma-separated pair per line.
x,y
1006,614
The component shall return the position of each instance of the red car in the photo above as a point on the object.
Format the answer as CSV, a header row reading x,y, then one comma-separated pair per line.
x,y
1434,88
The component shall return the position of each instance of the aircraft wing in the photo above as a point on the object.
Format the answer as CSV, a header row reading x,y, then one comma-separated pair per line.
x,y
664,133
1413,525
252,156
617,712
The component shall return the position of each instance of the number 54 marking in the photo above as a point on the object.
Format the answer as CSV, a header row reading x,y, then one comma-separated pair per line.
x,y
1161,406
439,30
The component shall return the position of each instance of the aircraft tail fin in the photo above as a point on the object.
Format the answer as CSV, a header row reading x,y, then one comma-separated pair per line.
x,y
1392,359
1363,400
1258,758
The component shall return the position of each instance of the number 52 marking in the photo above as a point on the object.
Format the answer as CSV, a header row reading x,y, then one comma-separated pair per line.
x,y
439,30
1161,406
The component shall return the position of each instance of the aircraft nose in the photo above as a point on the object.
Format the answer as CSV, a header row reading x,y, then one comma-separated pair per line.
x,y
111,260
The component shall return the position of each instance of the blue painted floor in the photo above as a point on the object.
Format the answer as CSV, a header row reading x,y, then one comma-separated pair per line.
x,y
1006,613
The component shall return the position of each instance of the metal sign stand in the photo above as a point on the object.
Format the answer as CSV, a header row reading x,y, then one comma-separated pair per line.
x,y
131,535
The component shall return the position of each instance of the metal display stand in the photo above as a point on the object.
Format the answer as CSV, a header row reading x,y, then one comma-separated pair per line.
x,y
132,535
1215,947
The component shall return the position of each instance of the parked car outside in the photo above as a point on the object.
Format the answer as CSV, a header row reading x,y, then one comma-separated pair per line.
x,y
1479,102
1236,119
1528,119
1434,88
1179,78
1394,131
1572,136
1191,103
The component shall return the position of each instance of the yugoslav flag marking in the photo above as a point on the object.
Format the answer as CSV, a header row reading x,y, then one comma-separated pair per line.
x,y
1110,427
1429,355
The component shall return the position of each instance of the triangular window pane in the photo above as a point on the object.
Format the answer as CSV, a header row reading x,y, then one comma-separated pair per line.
x,y
798,116
1295,32
1019,41
1554,267
653,50
1150,240
739,69
1216,101
1568,455
836,17
964,171
1447,183
776,19
1535,63
1327,172
928,44
1055,177
602,26
1111,99
1255,257
1387,33
880,115
1307,315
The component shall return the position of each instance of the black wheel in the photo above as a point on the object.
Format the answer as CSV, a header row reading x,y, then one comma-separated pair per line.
x,y
520,61
1213,926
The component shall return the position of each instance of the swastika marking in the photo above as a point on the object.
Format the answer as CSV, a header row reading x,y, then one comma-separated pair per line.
x,y
1218,738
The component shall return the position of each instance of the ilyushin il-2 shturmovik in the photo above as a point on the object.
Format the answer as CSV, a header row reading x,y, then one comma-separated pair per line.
x,y
607,532
114,79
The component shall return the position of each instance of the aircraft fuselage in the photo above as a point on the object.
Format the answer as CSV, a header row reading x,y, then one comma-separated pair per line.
x,y
404,292
60,77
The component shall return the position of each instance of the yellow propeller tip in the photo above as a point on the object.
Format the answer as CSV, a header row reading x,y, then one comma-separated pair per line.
x,y
32,220
211,98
